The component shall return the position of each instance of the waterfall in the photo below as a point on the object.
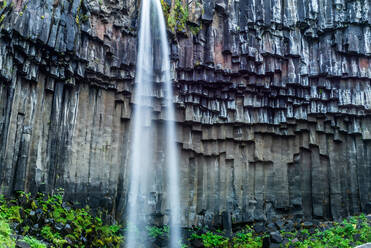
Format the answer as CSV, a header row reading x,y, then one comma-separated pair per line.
x,y
153,67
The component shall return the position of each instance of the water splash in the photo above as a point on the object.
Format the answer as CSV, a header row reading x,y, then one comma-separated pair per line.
x,y
153,61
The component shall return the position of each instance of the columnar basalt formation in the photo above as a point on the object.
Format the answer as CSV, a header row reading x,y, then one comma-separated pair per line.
x,y
273,102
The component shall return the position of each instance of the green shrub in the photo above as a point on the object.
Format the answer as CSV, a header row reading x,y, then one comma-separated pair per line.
x,y
58,223
211,239
246,239
349,233
6,239
176,17
154,231
33,242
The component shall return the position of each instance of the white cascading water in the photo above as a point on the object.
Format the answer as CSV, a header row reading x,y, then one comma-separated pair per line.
x,y
152,28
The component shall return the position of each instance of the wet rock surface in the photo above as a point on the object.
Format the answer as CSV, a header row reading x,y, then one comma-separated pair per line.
x,y
273,106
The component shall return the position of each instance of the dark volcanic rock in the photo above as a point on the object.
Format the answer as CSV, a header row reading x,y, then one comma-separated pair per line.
x,y
227,223
276,237
307,224
289,226
196,243
266,242
280,224
273,106
22,244
271,227
259,228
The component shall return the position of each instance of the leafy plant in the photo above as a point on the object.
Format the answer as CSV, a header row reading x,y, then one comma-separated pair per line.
x,y
155,231
6,239
33,242
54,237
48,218
176,16
349,233
211,239
246,239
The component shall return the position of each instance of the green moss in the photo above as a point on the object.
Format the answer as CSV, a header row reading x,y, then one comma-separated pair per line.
x,y
24,8
177,17
195,29
84,18
77,17
4,4
2,18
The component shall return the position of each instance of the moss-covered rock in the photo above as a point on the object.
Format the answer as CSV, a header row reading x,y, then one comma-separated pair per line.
x,y
50,219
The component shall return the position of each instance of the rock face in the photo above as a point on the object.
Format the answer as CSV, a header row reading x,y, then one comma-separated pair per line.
x,y
273,105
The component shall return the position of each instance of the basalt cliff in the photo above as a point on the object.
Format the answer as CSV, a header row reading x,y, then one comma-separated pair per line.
x,y
273,104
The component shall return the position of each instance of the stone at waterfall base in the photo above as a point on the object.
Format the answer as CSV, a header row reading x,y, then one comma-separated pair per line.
x,y
368,245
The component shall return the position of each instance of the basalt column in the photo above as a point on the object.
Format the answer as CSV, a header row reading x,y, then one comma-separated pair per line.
x,y
273,105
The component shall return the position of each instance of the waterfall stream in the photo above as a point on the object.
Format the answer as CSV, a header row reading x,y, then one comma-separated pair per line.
x,y
152,69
